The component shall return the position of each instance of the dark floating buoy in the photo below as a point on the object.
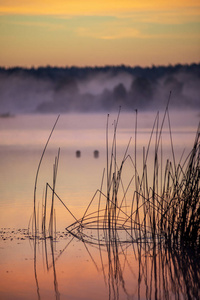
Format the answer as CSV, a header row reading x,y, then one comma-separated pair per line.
x,y
78,153
96,153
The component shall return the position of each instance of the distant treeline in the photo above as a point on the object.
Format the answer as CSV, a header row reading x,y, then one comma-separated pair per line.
x,y
55,89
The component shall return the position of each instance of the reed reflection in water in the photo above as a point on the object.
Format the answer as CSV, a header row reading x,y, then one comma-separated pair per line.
x,y
137,270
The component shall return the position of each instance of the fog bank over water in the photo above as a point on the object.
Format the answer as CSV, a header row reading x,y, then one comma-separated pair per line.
x,y
62,90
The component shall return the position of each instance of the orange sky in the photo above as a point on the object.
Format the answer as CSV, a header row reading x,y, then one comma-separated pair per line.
x,y
76,7
77,32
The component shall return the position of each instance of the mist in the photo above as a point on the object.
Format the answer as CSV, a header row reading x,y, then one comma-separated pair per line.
x,y
63,90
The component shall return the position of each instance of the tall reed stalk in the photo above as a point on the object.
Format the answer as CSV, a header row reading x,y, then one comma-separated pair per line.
x,y
167,209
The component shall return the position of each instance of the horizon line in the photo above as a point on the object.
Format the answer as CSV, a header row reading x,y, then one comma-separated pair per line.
x,y
98,66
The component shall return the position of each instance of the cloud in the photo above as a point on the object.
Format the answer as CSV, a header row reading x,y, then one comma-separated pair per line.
x,y
51,32
177,16
112,28
30,23
108,33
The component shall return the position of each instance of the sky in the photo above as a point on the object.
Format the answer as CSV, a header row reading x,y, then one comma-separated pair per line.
x,y
96,33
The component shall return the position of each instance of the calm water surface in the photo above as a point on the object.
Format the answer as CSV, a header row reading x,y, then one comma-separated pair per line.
x,y
68,268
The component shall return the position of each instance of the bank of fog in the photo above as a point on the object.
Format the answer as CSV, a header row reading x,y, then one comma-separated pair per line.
x,y
60,90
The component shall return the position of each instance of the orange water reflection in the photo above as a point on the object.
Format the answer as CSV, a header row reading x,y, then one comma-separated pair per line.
x,y
76,270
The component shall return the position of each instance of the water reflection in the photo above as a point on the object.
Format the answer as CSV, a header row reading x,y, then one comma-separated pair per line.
x,y
49,262
35,268
134,237
132,270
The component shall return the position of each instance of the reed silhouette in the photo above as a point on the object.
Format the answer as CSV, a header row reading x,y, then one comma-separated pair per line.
x,y
157,223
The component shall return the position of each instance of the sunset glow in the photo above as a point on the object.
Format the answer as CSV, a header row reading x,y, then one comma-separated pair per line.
x,y
142,33
76,7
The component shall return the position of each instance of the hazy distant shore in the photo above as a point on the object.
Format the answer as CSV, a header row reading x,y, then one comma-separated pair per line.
x,y
88,89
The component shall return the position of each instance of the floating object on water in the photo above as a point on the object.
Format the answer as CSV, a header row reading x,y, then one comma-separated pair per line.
x,y
6,115
96,153
78,153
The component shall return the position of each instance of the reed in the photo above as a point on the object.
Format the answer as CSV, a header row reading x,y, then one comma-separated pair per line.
x,y
156,212
164,210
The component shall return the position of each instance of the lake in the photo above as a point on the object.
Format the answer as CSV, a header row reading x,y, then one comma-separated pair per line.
x,y
85,266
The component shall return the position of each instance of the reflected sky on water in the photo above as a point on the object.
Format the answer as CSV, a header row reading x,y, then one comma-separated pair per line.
x,y
76,269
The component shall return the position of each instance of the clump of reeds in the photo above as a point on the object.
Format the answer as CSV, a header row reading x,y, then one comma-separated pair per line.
x,y
166,209
180,219
138,213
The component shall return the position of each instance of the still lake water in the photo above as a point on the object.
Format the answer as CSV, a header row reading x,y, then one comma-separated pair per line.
x,y
68,268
